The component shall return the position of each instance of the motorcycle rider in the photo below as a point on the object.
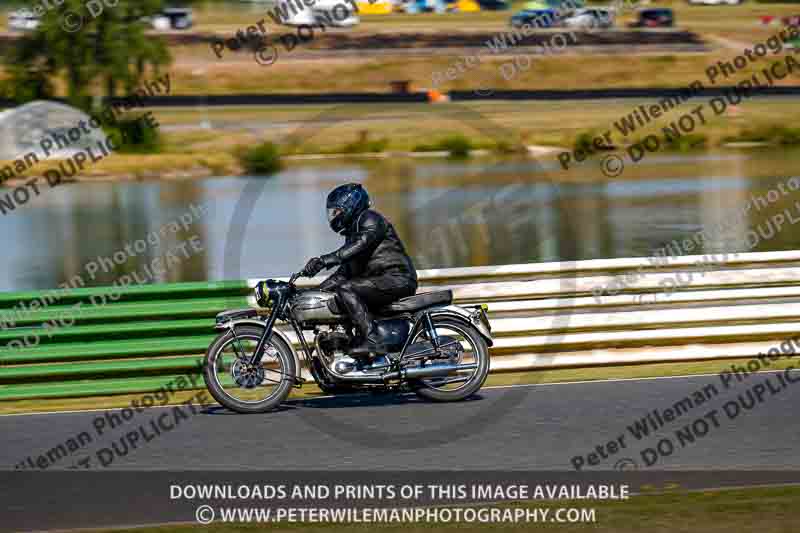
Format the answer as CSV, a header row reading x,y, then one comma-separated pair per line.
x,y
374,269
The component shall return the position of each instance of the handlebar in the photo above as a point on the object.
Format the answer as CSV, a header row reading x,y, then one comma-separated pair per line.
x,y
297,275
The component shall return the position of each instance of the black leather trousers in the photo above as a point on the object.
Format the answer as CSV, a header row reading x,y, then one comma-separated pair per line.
x,y
359,296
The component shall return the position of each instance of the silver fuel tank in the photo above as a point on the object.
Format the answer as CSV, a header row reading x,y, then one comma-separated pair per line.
x,y
314,307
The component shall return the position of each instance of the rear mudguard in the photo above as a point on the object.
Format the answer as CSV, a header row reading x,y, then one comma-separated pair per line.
x,y
284,337
473,318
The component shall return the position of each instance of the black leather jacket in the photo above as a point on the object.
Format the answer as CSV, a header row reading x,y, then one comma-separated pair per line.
x,y
371,249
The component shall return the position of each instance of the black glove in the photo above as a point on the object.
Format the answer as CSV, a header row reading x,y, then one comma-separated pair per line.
x,y
314,266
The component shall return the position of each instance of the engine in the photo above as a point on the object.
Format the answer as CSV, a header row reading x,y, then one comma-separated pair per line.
x,y
332,345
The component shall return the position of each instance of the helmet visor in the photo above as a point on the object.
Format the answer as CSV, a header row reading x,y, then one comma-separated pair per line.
x,y
334,212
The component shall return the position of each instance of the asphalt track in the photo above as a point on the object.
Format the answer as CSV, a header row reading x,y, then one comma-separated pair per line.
x,y
539,427
524,436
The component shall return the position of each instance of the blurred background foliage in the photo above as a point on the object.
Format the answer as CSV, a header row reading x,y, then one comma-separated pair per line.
x,y
109,55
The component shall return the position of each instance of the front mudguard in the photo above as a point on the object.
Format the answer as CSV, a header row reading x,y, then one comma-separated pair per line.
x,y
284,337
476,318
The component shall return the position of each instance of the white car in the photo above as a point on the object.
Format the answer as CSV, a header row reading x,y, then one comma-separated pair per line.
x,y
714,2
171,18
23,20
591,18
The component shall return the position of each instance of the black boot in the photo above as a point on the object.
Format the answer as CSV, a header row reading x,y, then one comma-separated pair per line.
x,y
370,344
363,323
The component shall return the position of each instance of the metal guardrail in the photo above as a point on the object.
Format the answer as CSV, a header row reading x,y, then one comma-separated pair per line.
x,y
546,315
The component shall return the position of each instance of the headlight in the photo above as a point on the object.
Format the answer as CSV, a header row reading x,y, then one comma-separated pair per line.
x,y
263,294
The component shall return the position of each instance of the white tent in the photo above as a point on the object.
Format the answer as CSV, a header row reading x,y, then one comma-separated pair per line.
x,y
327,12
23,128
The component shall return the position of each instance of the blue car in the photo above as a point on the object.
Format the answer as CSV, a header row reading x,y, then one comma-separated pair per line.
x,y
538,18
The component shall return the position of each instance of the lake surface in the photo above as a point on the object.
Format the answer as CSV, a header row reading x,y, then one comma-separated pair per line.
x,y
448,213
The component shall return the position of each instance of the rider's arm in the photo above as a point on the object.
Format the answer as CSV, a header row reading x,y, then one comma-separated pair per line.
x,y
370,229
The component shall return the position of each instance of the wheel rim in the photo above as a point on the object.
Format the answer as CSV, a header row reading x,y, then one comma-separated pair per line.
x,y
457,339
240,381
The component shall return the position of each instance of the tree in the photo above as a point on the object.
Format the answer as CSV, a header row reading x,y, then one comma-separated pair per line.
x,y
87,44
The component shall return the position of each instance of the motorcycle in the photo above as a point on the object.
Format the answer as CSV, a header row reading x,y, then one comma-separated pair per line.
x,y
430,347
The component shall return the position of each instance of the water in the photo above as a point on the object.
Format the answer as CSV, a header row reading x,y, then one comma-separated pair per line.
x,y
449,214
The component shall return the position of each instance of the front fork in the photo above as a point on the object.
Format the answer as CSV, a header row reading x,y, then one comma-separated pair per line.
x,y
265,337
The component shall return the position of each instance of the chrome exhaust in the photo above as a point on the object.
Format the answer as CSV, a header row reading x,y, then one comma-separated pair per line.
x,y
427,371
403,373
357,376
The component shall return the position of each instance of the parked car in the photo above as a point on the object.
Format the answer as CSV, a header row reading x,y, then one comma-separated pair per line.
x,y
23,20
661,17
540,18
173,18
591,18
493,5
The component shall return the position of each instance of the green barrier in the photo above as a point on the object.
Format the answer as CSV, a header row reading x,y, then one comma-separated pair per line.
x,y
104,331
85,388
161,365
131,292
111,312
107,340
107,349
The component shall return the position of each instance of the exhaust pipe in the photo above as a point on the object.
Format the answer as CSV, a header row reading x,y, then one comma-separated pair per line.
x,y
409,373
428,371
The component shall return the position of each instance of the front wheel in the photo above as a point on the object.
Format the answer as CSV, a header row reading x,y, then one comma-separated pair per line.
x,y
243,388
464,345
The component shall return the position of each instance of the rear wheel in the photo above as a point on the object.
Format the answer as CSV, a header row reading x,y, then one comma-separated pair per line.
x,y
465,345
246,388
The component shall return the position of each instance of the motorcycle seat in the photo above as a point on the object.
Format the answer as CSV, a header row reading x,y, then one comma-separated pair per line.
x,y
418,302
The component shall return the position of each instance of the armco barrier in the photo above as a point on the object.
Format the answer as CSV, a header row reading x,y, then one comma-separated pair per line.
x,y
546,315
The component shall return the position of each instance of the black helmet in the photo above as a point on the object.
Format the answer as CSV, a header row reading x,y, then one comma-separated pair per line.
x,y
345,204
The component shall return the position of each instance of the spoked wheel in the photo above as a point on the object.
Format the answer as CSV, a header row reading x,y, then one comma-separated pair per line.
x,y
460,344
243,387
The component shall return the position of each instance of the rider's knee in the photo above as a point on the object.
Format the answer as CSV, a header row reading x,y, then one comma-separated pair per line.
x,y
345,287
